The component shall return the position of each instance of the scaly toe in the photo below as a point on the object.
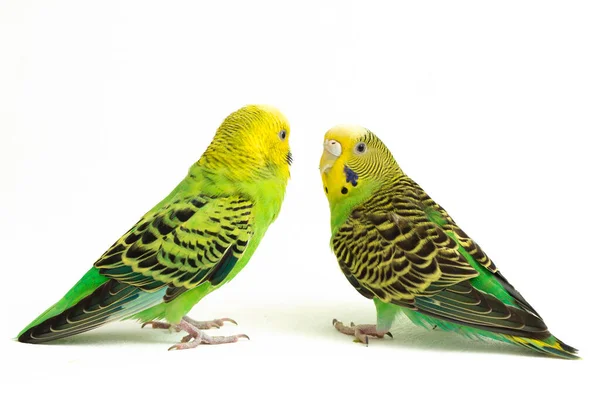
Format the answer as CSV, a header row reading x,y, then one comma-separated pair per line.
x,y
219,322
197,337
361,333
186,338
361,337
157,325
222,339
215,323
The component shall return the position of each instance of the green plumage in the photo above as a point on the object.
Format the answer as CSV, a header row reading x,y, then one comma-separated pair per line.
x,y
195,240
86,285
397,246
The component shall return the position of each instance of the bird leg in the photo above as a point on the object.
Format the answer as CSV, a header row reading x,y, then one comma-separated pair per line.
x,y
196,337
215,323
361,333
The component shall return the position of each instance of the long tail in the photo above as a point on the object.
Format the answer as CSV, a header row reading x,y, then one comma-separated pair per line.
x,y
92,302
549,346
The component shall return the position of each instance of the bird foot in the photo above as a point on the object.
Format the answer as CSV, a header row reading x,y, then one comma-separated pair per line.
x,y
361,333
195,337
215,323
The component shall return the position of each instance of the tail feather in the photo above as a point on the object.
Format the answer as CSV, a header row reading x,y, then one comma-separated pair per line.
x,y
111,301
549,346
91,281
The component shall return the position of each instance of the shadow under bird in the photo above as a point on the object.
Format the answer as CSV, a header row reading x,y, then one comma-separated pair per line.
x,y
192,242
397,246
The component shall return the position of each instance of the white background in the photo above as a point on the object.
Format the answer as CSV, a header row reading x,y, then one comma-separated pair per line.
x,y
492,108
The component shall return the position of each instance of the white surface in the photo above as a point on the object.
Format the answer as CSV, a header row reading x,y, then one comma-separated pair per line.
x,y
493,109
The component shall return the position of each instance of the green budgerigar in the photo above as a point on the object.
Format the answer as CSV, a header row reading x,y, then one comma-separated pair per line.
x,y
397,246
192,242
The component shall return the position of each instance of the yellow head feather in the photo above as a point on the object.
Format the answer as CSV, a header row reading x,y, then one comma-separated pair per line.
x,y
353,163
251,143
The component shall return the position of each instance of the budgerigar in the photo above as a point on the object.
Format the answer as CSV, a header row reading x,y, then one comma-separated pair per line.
x,y
192,242
397,246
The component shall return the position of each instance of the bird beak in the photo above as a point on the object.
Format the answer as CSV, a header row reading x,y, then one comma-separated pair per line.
x,y
331,151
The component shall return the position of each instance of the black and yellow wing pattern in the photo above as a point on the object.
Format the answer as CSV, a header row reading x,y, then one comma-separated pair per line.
x,y
404,249
181,246
175,248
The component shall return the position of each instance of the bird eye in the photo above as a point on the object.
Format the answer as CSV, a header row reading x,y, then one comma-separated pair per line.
x,y
282,135
360,148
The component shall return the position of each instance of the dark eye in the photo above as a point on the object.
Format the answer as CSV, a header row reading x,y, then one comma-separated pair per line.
x,y
360,148
282,135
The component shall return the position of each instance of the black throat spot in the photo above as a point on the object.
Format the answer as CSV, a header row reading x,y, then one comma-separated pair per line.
x,y
351,176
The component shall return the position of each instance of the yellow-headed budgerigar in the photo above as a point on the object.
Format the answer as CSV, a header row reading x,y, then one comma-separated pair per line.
x,y
397,246
192,242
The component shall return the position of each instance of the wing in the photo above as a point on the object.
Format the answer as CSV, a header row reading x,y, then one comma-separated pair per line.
x,y
402,249
439,216
182,245
398,255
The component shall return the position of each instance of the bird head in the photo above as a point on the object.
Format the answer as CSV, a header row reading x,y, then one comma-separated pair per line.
x,y
251,143
353,163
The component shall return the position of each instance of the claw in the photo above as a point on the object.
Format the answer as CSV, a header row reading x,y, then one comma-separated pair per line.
x,y
389,334
335,321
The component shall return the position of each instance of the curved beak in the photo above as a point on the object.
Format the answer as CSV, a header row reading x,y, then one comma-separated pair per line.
x,y
331,151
